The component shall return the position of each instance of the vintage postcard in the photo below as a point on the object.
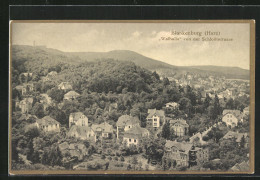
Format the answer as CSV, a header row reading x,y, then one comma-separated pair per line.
x,y
132,97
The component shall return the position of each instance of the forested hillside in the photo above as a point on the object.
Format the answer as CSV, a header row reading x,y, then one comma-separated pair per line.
x,y
51,57
107,89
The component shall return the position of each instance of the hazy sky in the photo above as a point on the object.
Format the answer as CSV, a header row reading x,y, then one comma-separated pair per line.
x,y
144,38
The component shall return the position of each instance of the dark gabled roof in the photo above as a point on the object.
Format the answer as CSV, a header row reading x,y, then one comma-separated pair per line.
x,y
173,104
76,115
47,120
236,135
152,112
27,116
27,100
181,146
63,146
179,121
72,93
105,127
136,132
67,85
243,166
236,113
246,108
81,130
125,120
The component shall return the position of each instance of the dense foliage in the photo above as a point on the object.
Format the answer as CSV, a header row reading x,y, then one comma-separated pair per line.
x,y
108,89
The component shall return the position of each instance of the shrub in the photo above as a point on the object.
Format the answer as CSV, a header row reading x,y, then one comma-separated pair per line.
x,y
103,156
94,166
122,159
119,165
129,167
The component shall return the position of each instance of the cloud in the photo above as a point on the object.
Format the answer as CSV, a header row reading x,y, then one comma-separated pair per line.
x,y
142,38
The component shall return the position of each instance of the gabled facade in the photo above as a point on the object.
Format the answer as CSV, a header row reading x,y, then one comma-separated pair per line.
x,y
78,119
232,117
71,95
81,132
155,119
103,130
25,88
179,127
134,135
172,105
183,154
25,105
243,166
65,86
125,123
246,111
48,124
45,100
27,74
238,137
52,74
27,117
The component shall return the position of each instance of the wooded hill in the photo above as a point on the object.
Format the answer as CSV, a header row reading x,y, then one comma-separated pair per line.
x,y
51,57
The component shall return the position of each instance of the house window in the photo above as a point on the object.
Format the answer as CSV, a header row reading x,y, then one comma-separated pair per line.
x,y
83,123
129,126
135,140
129,140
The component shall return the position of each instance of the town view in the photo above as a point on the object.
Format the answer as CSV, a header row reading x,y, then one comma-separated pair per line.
x,y
122,111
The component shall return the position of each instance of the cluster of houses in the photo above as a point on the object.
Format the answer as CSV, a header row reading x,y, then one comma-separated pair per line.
x,y
212,85
233,117
49,76
128,129
183,154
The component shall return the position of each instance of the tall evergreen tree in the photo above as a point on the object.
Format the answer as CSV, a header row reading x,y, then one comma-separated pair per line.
x,y
166,81
166,131
207,101
243,141
217,108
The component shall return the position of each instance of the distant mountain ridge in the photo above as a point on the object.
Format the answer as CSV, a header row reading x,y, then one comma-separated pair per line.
x,y
126,55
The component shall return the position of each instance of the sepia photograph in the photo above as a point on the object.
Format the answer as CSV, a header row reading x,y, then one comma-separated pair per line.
x,y
131,97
